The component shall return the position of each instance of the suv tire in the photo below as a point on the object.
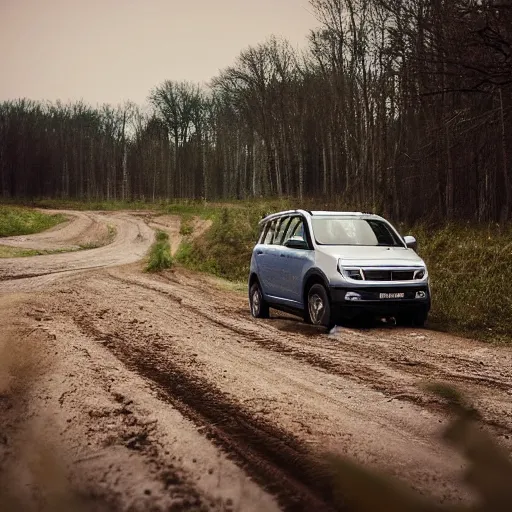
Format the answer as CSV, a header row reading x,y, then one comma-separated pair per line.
x,y
259,306
318,307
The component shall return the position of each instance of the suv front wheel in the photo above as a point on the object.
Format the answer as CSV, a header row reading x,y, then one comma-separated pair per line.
x,y
259,306
318,307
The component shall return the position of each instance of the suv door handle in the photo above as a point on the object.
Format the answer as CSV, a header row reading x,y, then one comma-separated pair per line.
x,y
282,255
259,253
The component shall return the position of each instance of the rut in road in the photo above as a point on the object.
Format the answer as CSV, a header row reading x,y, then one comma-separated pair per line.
x,y
278,461
379,368
319,409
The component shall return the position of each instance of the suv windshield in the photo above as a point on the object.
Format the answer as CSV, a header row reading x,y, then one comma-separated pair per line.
x,y
351,231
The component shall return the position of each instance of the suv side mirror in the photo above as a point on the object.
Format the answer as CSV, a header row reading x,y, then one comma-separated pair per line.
x,y
296,244
411,242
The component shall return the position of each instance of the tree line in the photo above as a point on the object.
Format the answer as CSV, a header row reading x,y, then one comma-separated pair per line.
x,y
399,106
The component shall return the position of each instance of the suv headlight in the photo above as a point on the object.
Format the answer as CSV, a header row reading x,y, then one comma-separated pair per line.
x,y
355,273
351,273
420,274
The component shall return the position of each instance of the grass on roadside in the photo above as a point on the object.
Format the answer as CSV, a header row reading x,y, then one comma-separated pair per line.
x,y
16,221
225,249
186,227
17,252
176,206
470,271
160,254
89,205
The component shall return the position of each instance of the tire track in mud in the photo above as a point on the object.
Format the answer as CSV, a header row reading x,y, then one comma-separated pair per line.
x,y
250,335
278,461
415,368
364,374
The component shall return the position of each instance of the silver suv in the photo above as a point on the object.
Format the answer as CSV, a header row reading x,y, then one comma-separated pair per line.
x,y
327,265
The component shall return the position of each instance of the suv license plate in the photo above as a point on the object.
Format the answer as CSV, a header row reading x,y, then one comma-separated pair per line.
x,y
392,295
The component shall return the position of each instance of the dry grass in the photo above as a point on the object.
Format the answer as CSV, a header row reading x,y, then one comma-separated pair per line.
x,y
16,252
471,272
186,226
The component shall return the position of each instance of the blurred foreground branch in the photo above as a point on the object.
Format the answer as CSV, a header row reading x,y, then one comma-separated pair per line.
x,y
489,470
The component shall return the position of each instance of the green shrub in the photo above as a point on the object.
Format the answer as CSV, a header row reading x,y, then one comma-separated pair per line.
x,y
225,250
160,254
186,228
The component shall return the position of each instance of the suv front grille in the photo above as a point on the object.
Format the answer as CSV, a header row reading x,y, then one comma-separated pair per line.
x,y
402,275
378,275
381,274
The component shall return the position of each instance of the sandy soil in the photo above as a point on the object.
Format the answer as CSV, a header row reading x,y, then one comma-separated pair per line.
x,y
161,391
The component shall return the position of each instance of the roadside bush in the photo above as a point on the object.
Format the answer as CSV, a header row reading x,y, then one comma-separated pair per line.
x,y
225,250
186,228
160,254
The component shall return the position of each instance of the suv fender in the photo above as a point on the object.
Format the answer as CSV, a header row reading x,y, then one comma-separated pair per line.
x,y
253,279
314,276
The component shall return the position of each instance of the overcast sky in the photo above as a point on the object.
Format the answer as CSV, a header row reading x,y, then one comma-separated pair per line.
x,y
109,51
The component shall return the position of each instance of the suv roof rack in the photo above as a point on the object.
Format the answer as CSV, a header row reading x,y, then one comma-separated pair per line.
x,y
333,212
284,212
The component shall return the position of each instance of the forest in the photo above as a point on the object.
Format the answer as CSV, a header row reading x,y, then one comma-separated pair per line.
x,y
402,107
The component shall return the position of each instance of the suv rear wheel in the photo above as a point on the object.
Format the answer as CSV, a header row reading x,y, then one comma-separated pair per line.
x,y
318,310
259,306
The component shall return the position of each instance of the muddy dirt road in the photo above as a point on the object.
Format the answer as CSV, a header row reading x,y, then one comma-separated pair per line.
x,y
162,391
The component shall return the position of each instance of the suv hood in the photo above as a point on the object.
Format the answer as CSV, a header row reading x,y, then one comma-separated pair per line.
x,y
372,256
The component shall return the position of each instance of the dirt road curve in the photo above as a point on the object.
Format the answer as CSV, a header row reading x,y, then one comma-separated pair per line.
x,y
81,228
132,240
161,391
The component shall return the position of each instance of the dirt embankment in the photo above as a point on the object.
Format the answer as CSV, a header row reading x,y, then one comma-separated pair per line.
x,y
161,390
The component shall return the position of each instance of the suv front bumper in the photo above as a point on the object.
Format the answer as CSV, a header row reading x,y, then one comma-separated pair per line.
x,y
415,299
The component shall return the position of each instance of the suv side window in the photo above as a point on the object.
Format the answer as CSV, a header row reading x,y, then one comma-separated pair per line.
x,y
270,229
263,233
280,230
295,228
